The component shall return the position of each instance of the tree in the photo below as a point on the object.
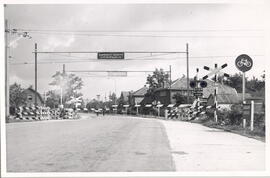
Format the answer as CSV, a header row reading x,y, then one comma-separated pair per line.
x,y
254,86
70,84
113,98
158,79
16,96
94,104
235,81
53,99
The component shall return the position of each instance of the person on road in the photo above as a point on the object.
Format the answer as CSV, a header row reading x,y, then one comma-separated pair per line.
x,y
97,112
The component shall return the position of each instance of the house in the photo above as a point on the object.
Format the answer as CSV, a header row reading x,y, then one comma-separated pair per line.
x,y
125,97
30,94
226,94
166,95
138,96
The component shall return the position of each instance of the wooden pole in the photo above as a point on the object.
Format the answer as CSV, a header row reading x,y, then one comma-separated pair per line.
x,y
187,53
216,90
170,76
35,79
7,69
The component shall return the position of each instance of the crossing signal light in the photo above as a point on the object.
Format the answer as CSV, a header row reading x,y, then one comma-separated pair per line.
x,y
192,84
203,84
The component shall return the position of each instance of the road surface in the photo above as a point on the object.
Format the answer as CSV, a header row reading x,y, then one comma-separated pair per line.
x,y
106,143
121,143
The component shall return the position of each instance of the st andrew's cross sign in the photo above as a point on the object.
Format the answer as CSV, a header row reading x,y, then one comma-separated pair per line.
x,y
215,71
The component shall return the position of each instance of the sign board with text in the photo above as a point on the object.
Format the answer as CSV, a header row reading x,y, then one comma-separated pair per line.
x,y
111,55
117,73
198,94
246,109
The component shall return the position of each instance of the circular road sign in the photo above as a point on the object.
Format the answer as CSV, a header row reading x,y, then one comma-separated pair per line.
x,y
243,63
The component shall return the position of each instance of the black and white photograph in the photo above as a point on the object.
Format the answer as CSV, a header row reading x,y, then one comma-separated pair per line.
x,y
134,89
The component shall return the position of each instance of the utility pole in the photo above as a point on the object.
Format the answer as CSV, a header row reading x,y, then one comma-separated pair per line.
x,y
215,95
187,53
35,79
61,85
64,69
7,69
170,76
244,87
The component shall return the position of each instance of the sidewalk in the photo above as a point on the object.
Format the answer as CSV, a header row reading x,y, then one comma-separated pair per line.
x,y
198,148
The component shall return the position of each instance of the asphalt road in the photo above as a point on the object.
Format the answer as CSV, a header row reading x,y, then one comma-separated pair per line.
x,y
128,144
106,143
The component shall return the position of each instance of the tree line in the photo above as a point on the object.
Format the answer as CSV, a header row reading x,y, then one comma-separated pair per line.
x,y
72,84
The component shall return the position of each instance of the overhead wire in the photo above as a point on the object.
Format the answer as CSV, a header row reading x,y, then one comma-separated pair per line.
x,y
98,60
135,31
161,36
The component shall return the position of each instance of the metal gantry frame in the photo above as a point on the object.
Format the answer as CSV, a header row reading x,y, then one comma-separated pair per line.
x,y
131,52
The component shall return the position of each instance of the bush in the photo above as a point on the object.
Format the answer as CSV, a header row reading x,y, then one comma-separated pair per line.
x,y
225,117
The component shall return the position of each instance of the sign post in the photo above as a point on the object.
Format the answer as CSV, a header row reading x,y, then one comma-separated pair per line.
x,y
216,71
137,107
243,63
246,113
126,108
159,105
252,116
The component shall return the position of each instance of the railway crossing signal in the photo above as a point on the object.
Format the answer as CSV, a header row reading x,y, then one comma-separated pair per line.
x,y
215,71
198,85
203,84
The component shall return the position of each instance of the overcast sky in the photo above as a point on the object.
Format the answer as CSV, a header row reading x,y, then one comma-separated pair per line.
x,y
216,33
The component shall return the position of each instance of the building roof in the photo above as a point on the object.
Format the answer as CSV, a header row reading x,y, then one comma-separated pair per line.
x,y
180,83
226,94
33,91
247,96
222,89
141,92
226,99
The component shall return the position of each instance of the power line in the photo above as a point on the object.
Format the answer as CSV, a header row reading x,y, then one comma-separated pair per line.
x,y
86,71
93,52
162,36
131,58
98,60
135,31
